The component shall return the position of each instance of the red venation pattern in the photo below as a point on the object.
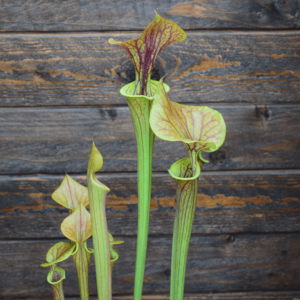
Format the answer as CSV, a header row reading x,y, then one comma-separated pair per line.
x,y
144,50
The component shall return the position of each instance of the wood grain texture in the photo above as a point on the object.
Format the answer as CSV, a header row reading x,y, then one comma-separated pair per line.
x,y
227,202
254,74
41,15
58,140
84,69
286,295
215,264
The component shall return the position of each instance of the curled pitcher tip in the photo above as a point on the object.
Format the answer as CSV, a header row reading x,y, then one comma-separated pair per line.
x,y
96,160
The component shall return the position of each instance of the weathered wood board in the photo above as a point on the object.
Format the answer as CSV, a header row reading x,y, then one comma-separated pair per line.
x,y
59,90
84,69
73,15
244,262
58,140
257,201
286,295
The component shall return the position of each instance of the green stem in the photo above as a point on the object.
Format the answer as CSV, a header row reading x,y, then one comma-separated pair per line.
x,y
82,260
140,110
58,293
97,196
185,210
140,107
186,172
174,251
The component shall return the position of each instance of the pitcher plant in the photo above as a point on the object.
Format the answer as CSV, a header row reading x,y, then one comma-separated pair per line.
x,y
143,52
201,129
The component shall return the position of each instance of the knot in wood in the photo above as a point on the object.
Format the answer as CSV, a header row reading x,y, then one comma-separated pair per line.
x,y
263,112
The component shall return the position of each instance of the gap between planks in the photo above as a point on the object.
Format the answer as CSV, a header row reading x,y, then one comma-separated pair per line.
x,y
259,295
117,105
156,236
133,174
87,33
214,105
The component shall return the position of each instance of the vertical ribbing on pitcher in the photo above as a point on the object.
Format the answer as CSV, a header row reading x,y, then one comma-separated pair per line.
x,y
82,259
55,278
97,196
186,197
140,110
140,107
143,52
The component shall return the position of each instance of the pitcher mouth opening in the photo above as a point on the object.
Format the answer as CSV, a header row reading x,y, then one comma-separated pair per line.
x,y
128,90
182,170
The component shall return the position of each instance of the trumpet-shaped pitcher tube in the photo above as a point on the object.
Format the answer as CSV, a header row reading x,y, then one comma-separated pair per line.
x,y
55,278
200,129
140,107
186,196
143,51
77,228
97,196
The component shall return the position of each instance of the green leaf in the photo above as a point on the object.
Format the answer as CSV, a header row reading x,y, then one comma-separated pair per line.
x,y
77,227
201,127
82,259
144,50
59,252
97,196
114,256
56,275
95,164
182,170
89,250
128,91
140,109
70,193
55,278
186,197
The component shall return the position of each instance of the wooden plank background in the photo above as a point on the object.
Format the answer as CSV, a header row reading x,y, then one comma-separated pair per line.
x,y
59,90
235,201
41,15
228,262
84,69
265,137
286,295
